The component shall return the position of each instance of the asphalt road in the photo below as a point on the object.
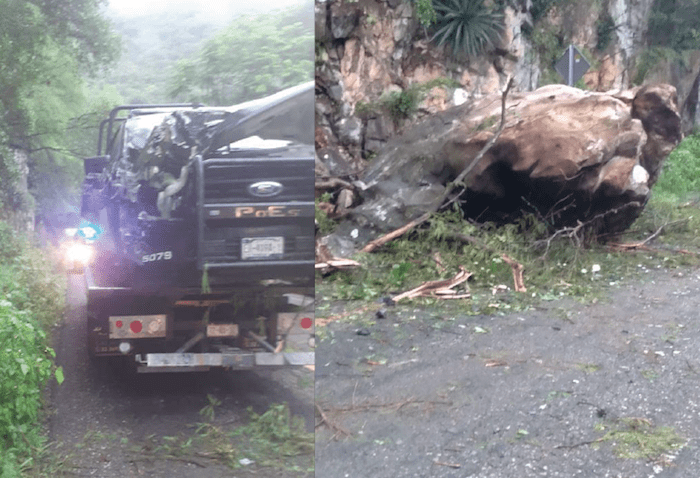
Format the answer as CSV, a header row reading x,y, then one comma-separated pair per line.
x,y
106,422
590,390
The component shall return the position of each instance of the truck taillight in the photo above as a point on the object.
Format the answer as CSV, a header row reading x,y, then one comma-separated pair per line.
x,y
137,326
306,323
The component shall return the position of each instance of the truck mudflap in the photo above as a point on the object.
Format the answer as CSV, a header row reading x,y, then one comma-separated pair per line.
x,y
199,362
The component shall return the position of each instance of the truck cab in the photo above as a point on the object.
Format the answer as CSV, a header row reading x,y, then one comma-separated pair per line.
x,y
207,250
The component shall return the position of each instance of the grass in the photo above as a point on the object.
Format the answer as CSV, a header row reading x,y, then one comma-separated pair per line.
x,y
636,439
550,274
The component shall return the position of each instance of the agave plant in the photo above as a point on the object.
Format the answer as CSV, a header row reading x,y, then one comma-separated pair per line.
x,y
468,26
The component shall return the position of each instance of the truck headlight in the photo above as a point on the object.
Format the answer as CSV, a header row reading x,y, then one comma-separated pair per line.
x,y
79,253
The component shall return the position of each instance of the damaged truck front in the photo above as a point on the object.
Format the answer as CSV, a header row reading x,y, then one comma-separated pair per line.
x,y
206,252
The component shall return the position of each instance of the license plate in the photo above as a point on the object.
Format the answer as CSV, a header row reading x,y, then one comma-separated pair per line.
x,y
261,247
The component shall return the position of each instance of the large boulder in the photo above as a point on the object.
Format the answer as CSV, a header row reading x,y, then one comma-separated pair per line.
x,y
565,154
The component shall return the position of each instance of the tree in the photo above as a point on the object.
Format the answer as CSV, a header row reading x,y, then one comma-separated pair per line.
x,y
673,24
46,47
256,55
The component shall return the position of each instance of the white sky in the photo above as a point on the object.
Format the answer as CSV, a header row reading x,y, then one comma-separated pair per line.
x,y
219,7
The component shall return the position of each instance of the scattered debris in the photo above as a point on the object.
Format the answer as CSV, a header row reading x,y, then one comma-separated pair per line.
x,y
450,465
326,263
496,363
441,289
380,241
438,262
338,430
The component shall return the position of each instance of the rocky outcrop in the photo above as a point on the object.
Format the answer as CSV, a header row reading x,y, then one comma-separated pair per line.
x,y
564,154
368,49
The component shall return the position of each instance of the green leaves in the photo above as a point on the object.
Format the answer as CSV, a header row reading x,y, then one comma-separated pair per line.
x,y
24,369
255,56
30,302
59,375
469,27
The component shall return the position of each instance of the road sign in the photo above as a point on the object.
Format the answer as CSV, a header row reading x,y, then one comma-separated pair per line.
x,y
572,65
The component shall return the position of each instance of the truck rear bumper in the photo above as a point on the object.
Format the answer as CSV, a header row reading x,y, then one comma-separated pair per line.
x,y
197,362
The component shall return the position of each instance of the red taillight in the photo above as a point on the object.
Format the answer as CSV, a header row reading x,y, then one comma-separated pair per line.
x,y
119,324
306,323
136,326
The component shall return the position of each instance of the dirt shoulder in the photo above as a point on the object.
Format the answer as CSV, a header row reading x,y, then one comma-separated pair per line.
x,y
565,389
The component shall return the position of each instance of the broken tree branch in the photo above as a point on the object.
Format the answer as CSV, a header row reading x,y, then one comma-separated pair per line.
x,y
332,183
330,424
380,241
438,288
642,244
517,267
459,180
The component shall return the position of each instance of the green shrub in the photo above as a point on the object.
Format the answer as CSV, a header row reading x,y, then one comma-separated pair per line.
x,y
25,365
469,27
425,12
605,26
402,104
31,300
541,7
680,175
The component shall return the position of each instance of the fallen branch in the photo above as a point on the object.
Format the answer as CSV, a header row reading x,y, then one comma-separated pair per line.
x,y
332,425
642,244
576,445
438,288
332,183
573,232
326,262
518,280
459,180
380,241
396,406
450,465
336,263
517,267
323,321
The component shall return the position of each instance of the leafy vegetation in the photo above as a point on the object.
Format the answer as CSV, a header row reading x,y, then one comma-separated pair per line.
x,y
48,48
605,27
273,435
402,105
425,12
275,439
672,31
31,301
680,178
270,51
469,27
636,438
672,24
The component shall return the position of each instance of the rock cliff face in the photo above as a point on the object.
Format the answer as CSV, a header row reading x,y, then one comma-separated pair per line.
x,y
369,49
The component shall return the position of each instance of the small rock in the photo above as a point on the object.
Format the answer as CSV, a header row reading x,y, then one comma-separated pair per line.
x,y
381,314
388,301
363,332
